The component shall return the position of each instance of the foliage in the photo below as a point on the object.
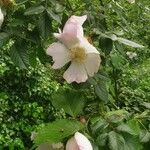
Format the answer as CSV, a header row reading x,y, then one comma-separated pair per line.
x,y
112,108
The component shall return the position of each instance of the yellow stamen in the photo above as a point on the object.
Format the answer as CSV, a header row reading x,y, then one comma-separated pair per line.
x,y
78,54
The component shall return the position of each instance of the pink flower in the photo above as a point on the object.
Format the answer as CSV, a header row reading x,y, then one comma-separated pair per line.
x,y
78,142
1,18
74,47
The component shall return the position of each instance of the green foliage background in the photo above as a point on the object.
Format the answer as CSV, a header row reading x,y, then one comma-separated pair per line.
x,y
115,103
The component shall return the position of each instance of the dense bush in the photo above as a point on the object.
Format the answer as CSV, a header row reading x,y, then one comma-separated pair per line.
x,y
25,101
111,108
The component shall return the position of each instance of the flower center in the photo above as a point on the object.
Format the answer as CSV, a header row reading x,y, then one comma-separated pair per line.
x,y
78,54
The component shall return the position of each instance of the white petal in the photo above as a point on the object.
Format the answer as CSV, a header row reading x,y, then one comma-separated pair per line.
x,y
83,142
76,72
92,63
59,53
77,19
88,47
72,144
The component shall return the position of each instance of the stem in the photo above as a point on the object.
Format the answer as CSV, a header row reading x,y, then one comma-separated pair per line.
x,y
115,83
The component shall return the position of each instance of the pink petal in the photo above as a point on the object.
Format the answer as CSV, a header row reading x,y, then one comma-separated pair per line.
x,y
82,142
87,46
92,63
76,72
72,31
72,144
77,19
59,53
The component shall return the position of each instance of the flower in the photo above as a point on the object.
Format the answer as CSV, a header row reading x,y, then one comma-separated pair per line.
x,y
1,18
74,47
78,142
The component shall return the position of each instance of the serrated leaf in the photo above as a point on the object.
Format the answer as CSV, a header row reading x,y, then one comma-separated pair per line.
x,y
125,128
99,125
116,116
129,43
101,91
44,26
56,131
19,56
116,141
71,101
34,10
100,87
102,139
131,142
134,125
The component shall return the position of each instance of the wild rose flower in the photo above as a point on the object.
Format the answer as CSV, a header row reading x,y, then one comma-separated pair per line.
x,y
74,47
78,142
1,18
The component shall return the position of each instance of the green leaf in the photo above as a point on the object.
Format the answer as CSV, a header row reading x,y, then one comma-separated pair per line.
x,y
144,136
44,26
129,43
59,8
116,116
100,87
134,125
3,38
19,55
56,131
54,16
106,44
117,61
101,92
42,55
146,105
119,47
125,128
102,139
34,10
33,58
131,142
99,125
70,100
116,141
